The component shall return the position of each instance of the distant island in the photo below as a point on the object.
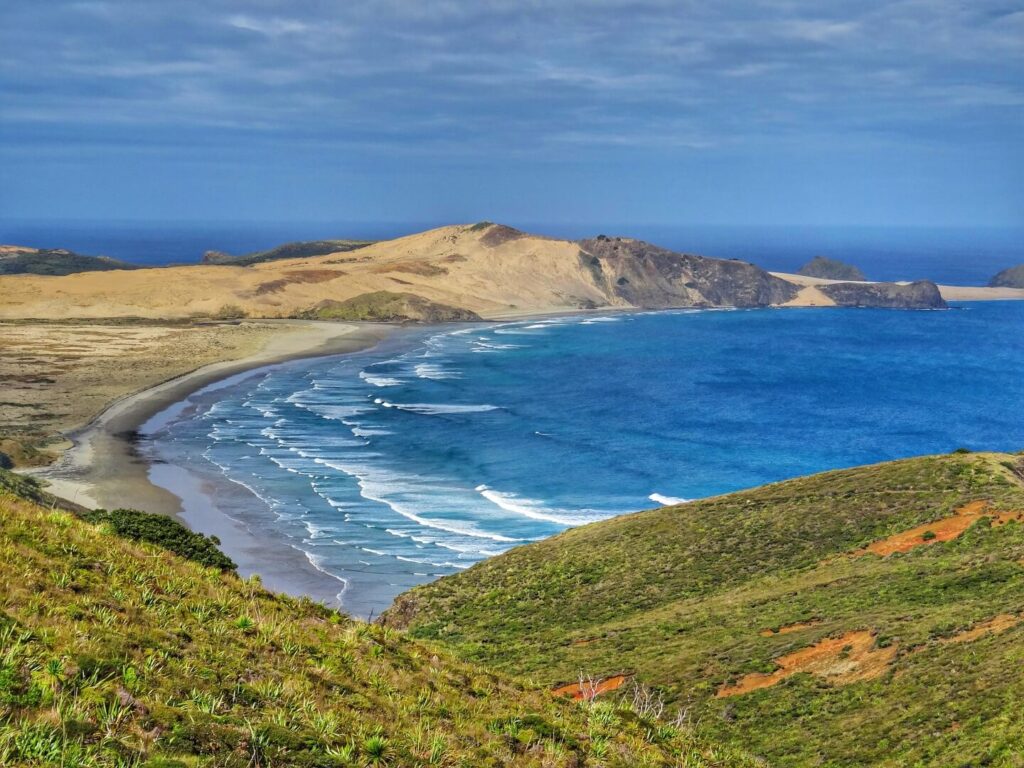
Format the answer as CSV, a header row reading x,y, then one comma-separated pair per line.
x,y
1009,278
831,269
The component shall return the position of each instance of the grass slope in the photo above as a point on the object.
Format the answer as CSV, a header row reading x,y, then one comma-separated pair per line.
x,y
32,261
388,306
682,598
297,250
117,653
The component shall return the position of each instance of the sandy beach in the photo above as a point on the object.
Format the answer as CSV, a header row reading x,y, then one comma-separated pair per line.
x,y
104,468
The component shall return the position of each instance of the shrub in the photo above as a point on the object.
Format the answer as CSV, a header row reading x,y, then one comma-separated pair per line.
x,y
163,531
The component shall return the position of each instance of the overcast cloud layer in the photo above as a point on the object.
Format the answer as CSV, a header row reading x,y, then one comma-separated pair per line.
x,y
658,111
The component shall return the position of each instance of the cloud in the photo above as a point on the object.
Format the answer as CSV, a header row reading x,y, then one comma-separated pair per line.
x,y
503,75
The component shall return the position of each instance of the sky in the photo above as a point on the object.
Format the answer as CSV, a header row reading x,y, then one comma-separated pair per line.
x,y
734,112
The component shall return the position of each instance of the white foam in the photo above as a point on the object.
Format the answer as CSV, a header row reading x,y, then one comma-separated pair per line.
x,y
435,372
375,488
379,381
530,508
438,409
367,432
667,501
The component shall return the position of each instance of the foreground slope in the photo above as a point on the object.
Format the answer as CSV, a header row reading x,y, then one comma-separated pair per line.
x,y
485,270
114,653
872,616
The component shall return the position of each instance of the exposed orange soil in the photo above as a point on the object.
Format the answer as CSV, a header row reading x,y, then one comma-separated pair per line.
x,y
841,660
585,690
995,625
946,529
795,627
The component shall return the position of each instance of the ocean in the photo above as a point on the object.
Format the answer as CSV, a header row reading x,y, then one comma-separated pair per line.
x,y
443,446
945,255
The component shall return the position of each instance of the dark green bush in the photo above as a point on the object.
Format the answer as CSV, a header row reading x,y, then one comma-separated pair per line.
x,y
163,531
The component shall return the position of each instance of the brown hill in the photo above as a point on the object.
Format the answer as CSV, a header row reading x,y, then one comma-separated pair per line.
x,y
486,269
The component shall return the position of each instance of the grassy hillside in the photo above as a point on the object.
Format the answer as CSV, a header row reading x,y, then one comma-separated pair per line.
x,y
830,269
785,617
297,250
15,260
387,306
118,653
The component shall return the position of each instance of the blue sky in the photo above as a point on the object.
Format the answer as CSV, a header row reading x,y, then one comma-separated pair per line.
x,y
664,111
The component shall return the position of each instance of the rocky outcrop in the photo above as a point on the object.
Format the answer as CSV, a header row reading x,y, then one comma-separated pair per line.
x,y
923,294
1009,278
831,269
385,306
644,275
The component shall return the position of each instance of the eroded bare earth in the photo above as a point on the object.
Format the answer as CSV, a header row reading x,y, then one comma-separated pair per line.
x,y
947,529
845,659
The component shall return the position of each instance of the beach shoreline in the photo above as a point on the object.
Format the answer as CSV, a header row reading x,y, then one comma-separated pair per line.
x,y
123,477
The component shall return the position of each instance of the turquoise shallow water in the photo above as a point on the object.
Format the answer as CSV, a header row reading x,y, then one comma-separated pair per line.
x,y
418,458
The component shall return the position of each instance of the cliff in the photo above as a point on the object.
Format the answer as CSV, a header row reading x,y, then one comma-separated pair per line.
x,y
922,294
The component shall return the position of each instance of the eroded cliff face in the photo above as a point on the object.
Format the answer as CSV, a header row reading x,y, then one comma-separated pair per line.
x,y
644,275
922,294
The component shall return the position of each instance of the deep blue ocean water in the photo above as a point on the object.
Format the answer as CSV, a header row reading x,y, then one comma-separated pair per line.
x,y
441,447
945,255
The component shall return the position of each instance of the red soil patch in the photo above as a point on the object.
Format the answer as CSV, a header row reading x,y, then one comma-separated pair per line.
x,y
946,529
585,690
840,660
993,626
795,627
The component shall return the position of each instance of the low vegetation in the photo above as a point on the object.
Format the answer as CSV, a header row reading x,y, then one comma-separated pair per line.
x,y
120,653
1009,278
764,617
831,269
387,306
56,261
298,250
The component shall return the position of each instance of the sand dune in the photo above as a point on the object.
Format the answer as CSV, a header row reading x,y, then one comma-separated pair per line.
x,y
462,266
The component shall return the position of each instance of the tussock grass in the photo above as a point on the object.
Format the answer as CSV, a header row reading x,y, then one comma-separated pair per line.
x,y
120,653
679,597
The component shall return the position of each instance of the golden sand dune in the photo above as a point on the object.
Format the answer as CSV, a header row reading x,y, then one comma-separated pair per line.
x,y
449,273
481,269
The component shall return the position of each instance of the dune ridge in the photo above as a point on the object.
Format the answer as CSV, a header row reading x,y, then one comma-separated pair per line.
x,y
486,270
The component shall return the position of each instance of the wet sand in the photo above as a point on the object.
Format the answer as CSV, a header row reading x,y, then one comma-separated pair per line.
x,y
105,469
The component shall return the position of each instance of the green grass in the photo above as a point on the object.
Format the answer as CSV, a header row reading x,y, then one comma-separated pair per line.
x,y
388,306
57,262
120,653
297,250
678,597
